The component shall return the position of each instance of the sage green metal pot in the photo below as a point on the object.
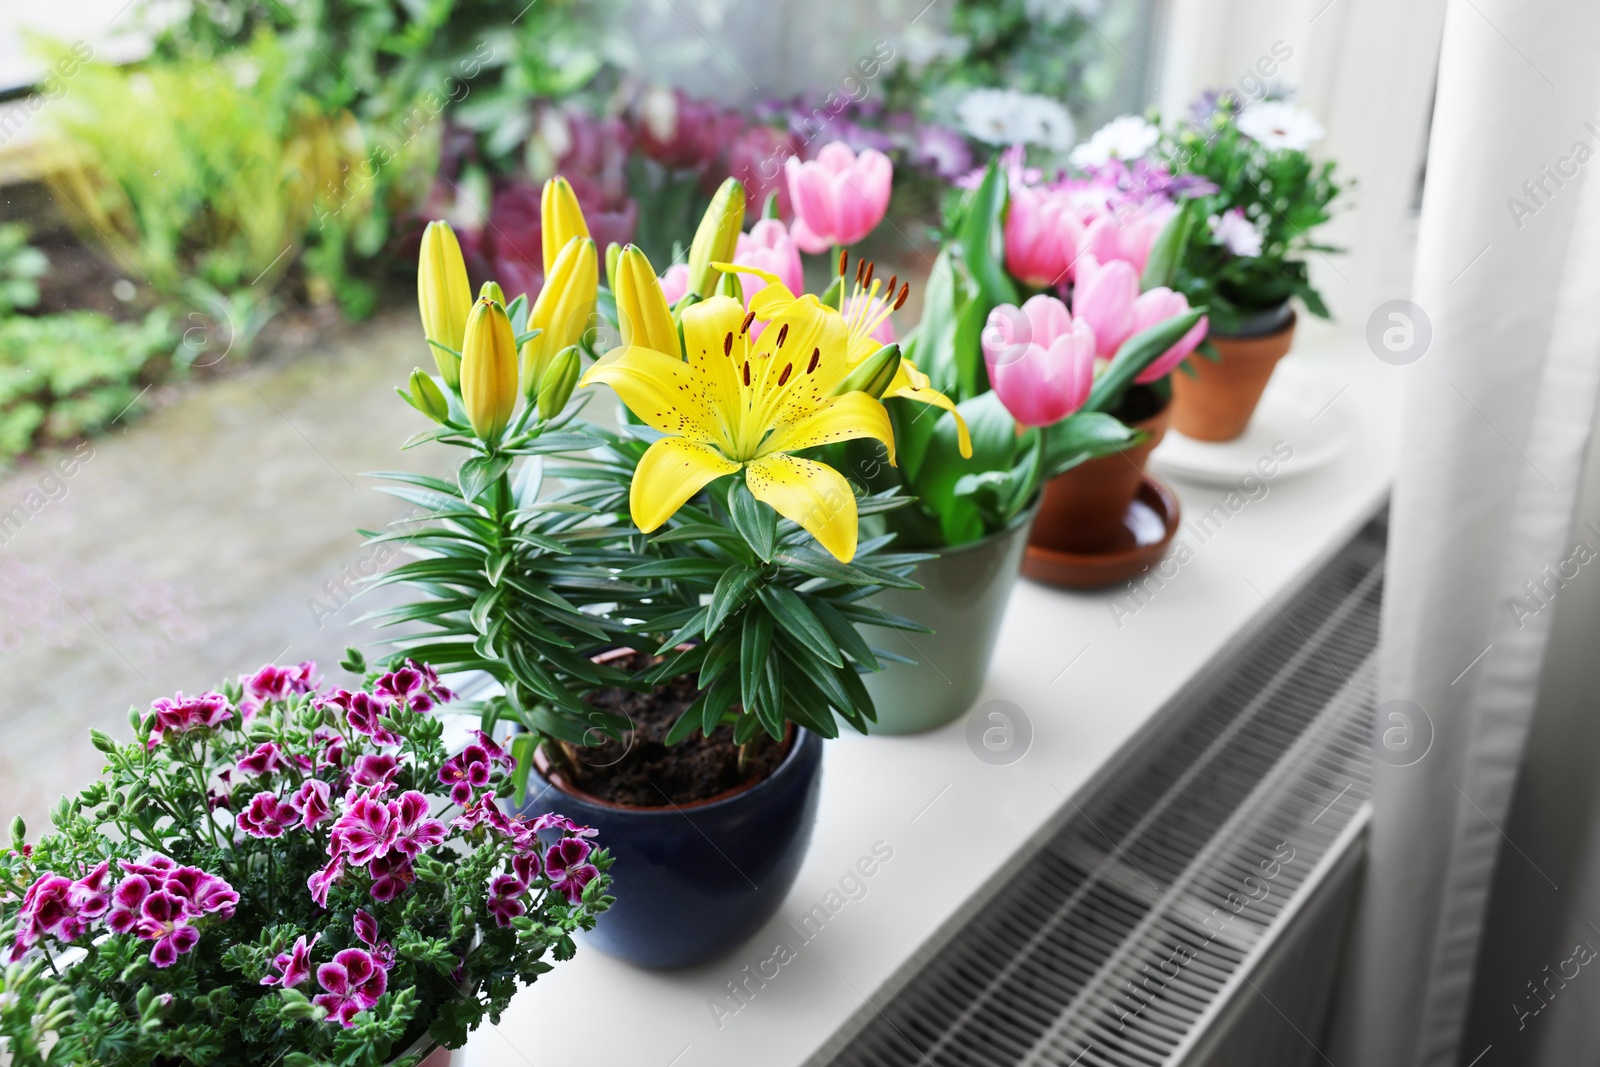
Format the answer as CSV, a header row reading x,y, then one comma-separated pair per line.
x,y
963,598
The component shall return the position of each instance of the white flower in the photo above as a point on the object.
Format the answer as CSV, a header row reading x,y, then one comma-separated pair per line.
x,y
1236,233
1125,138
1277,124
922,45
1005,117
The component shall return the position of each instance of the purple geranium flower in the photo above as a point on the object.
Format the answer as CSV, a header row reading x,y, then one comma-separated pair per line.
x,y
363,712
266,816
566,864
322,881
47,908
364,832
266,759
353,981
181,714
505,898
294,966
164,919
413,829
465,771
375,772
390,875
311,802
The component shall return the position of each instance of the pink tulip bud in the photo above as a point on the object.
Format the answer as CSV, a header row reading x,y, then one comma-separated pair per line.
x,y
1042,237
1104,296
1040,359
1157,306
838,197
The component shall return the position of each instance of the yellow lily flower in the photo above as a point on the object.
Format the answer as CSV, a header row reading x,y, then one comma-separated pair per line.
x,y
866,314
560,219
444,295
735,405
562,312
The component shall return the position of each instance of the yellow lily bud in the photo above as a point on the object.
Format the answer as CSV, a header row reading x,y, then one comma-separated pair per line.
x,y
492,291
489,370
444,295
559,379
427,397
642,311
613,251
873,375
717,237
730,285
563,309
560,219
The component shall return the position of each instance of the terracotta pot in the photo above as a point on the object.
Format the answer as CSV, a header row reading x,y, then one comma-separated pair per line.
x,y
1216,402
1083,509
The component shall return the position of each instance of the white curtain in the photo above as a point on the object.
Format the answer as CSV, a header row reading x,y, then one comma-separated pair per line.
x,y
1497,418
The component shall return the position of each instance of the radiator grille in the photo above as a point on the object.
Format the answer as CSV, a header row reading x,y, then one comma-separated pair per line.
x,y
1116,941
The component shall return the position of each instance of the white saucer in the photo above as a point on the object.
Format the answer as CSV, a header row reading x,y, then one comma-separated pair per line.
x,y
1302,423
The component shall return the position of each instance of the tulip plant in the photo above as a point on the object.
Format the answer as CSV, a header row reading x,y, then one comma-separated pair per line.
x,y
702,533
1036,386
280,872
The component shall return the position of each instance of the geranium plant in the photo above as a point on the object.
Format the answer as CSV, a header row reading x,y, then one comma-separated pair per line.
x,y
282,872
1265,200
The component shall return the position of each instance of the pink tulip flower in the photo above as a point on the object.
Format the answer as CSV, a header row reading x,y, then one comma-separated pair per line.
x,y
1126,233
675,282
1040,359
1042,237
1157,306
1104,296
838,197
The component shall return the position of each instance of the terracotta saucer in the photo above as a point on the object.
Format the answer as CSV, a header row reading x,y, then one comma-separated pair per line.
x,y
1147,531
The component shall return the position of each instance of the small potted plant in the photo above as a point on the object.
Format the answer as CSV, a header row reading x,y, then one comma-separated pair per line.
x,y
1267,198
1096,255
278,872
975,471
672,617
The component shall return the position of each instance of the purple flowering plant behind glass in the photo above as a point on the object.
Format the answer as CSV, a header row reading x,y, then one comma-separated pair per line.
x,y
286,871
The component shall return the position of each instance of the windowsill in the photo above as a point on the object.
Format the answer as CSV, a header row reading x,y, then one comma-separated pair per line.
x,y
1091,679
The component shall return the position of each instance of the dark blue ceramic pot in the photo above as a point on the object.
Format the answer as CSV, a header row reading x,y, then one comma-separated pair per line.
x,y
695,881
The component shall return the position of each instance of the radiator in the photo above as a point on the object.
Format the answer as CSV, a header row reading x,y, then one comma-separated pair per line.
x,y
1190,908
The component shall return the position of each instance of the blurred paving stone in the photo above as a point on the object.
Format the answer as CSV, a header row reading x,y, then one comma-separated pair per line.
x,y
196,545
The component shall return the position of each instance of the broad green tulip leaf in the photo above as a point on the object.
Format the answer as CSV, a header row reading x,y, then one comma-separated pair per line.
x,y
1084,436
1137,353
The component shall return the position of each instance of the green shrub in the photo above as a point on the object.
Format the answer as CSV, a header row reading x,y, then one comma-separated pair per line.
x,y
486,60
217,171
20,268
64,376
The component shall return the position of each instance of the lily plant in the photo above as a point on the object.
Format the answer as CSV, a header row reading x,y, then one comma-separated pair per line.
x,y
702,531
